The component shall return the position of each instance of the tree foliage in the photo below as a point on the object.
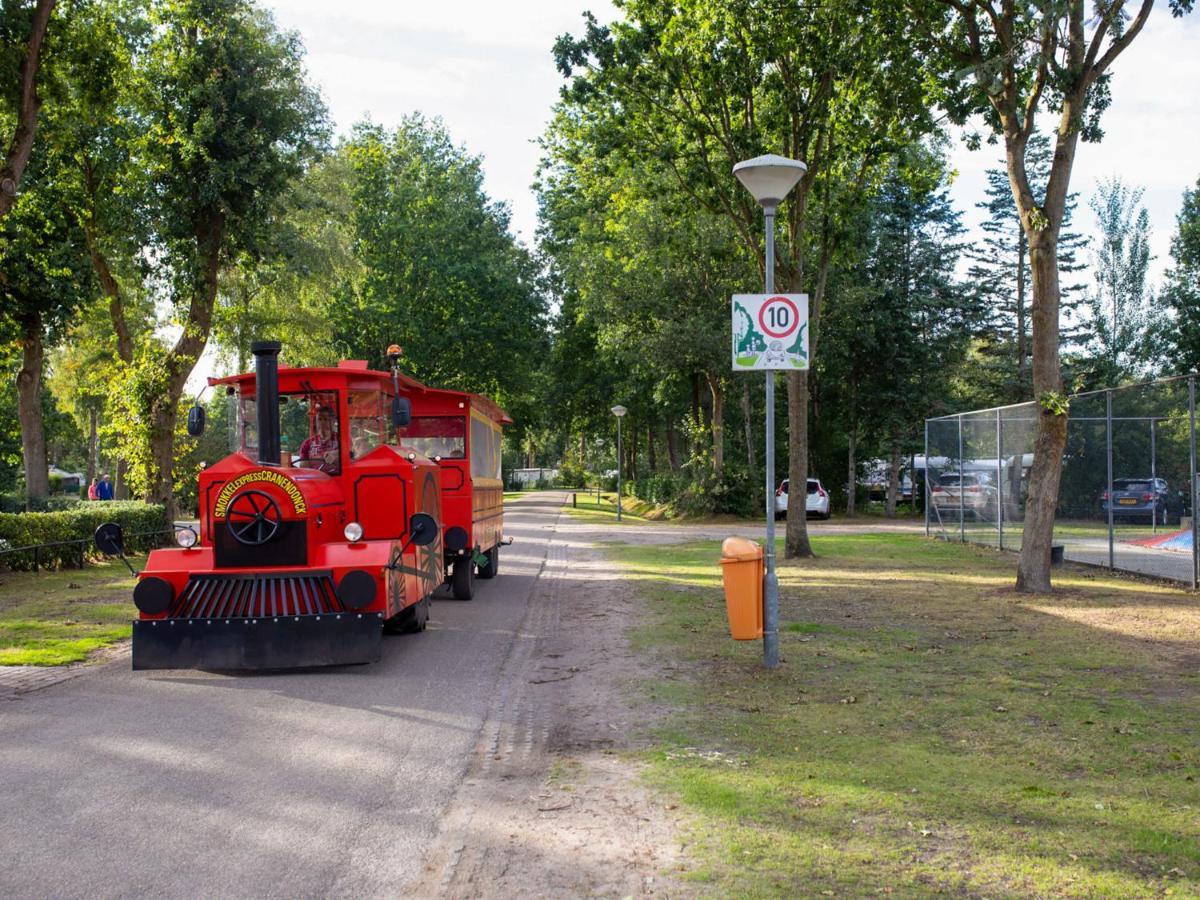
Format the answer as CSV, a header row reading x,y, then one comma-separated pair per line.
x,y
441,274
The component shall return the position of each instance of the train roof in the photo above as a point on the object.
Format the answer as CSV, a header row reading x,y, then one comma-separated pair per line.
x,y
357,368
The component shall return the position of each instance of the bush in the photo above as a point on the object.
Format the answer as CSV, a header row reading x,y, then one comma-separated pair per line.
x,y
571,474
14,502
659,489
77,523
733,494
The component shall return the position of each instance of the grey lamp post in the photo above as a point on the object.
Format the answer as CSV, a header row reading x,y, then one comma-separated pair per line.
x,y
770,178
619,411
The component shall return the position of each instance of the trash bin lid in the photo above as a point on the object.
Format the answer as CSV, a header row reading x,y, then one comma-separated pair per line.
x,y
736,548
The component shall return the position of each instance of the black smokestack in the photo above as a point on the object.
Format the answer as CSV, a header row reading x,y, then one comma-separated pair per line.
x,y
266,395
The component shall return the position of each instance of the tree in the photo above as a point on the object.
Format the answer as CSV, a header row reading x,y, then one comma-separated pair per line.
x,y
43,281
1120,300
700,86
227,121
1000,269
306,261
1022,58
442,276
1182,290
30,25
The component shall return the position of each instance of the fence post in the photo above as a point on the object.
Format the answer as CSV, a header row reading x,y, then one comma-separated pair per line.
x,y
962,515
1108,444
82,547
1192,447
36,559
999,488
926,479
1153,476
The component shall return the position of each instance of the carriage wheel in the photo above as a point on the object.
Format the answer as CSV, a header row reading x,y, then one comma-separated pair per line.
x,y
462,580
492,567
410,620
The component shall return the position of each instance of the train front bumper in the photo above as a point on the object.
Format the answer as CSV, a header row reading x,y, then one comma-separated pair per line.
x,y
264,642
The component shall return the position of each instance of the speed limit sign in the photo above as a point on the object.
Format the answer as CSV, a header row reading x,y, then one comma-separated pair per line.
x,y
770,331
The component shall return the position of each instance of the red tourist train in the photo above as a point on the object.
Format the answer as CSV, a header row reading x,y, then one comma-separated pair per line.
x,y
351,496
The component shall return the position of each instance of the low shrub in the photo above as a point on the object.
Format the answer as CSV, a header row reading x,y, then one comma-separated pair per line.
x,y
144,525
659,489
732,494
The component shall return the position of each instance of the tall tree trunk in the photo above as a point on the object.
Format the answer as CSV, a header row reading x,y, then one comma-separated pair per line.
x,y
851,467
748,426
29,411
718,422
893,488
672,447
121,480
1050,436
1022,347
21,146
93,445
797,543
178,365
651,456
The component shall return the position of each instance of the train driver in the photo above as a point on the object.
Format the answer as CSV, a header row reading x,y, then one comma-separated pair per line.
x,y
320,449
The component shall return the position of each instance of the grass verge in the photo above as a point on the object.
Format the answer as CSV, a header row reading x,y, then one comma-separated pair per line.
x,y
54,618
633,511
930,730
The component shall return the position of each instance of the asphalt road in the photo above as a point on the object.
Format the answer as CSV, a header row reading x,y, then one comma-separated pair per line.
x,y
314,783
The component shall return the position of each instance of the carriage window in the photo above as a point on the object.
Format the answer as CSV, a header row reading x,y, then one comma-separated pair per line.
x,y
485,449
444,436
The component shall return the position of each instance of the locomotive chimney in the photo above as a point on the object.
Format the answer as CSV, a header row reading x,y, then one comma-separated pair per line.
x,y
266,396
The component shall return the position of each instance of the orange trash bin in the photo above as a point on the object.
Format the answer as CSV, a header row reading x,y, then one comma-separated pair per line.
x,y
742,573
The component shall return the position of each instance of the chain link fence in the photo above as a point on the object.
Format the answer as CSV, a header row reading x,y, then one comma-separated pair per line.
x,y
1128,483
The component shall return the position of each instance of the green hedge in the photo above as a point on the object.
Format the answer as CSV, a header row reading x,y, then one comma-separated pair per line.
x,y
25,529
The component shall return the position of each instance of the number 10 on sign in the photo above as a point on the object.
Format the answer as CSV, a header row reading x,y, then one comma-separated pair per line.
x,y
770,331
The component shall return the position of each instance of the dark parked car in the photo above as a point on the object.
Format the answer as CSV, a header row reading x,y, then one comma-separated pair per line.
x,y
1143,498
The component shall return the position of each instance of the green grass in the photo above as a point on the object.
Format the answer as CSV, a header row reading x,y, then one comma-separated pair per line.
x,y
929,729
53,618
633,511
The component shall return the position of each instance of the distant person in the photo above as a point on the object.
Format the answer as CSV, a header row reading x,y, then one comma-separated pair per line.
x,y
104,489
94,489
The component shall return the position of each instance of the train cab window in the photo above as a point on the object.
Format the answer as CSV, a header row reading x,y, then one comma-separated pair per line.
x,y
444,436
367,422
308,426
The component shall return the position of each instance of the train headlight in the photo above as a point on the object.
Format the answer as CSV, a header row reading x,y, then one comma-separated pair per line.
x,y
353,532
185,538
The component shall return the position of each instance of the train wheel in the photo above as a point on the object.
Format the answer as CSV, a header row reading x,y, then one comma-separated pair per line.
x,y
409,620
492,567
462,580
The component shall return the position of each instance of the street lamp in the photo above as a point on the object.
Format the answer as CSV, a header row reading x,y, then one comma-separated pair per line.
x,y
770,178
619,411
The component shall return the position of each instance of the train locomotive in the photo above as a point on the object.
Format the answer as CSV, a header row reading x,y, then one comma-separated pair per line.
x,y
328,525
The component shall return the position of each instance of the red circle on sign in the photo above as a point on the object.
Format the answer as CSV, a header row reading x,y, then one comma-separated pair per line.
x,y
793,322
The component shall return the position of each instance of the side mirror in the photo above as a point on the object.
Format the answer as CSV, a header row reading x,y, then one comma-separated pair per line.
x,y
422,529
401,412
195,421
110,539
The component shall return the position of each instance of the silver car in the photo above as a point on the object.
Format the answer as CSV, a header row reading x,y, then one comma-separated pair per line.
x,y
816,504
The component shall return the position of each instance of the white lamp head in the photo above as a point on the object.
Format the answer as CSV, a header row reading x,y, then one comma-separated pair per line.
x,y
619,411
769,178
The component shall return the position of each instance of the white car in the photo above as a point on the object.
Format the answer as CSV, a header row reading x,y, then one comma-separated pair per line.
x,y
817,502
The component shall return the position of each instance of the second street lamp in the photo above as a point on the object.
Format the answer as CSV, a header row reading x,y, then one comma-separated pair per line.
x,y
770,178
619,411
